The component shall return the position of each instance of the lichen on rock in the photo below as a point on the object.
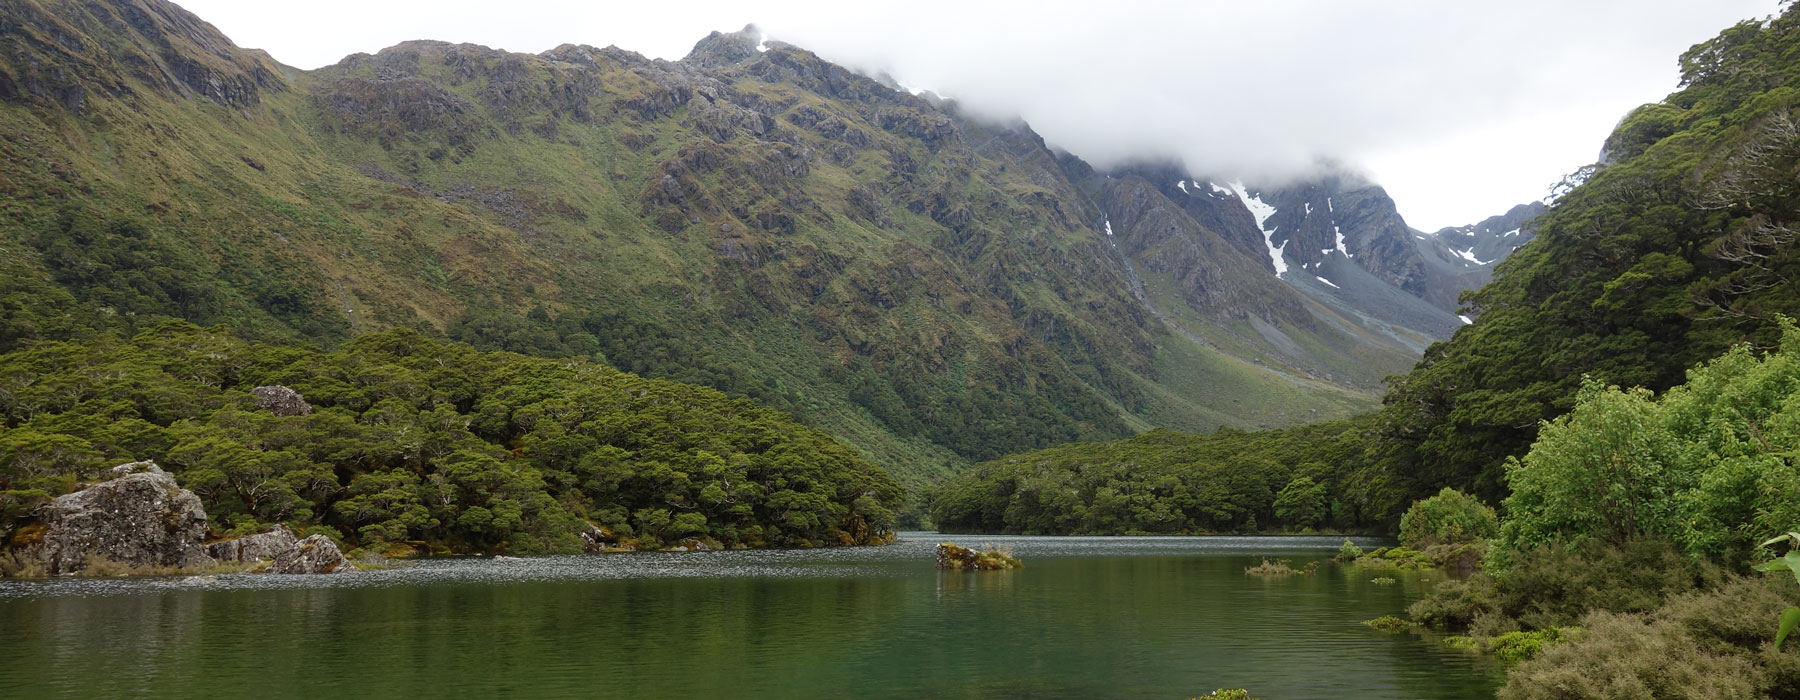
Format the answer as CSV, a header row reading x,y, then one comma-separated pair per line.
x,y
316,554
141,518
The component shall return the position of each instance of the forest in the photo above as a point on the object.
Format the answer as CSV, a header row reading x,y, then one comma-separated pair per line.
x,y
414,445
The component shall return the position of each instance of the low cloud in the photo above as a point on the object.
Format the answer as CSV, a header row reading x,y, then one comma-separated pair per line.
x,y
1460,109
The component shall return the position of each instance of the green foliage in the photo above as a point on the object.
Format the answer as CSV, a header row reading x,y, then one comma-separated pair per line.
x,y
1389,623
1271,569
1349,550
1707,465
1450,517
1789,562
1672,252
1710,644
414,440
1555,585
1514,647
1302,503
1158,482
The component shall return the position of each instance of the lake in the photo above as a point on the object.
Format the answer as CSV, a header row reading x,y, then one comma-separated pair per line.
x,y
1088,617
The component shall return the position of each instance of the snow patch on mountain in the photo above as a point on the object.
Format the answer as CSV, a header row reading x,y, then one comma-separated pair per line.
x,y
1262,212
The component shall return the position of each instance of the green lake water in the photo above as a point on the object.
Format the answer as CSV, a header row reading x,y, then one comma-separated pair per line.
x,y
1125,617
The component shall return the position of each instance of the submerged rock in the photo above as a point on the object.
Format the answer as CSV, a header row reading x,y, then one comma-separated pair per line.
x,y
316,554
141,518
258,547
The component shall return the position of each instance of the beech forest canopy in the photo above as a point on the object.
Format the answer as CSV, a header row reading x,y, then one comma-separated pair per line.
x,y
421,443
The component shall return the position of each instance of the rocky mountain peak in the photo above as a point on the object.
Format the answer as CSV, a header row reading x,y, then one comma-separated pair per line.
x,y
51,56
721,50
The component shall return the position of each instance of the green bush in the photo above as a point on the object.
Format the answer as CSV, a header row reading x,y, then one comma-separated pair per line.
x,y
1700,466
1700,645
1514,647
1450,517
1555,585
1349,551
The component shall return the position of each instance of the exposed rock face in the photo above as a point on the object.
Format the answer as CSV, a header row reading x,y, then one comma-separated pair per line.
x,y
316,554
263,546
281,401
141,518
162,46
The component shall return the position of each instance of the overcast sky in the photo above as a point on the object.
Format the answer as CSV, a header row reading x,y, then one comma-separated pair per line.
x,y
1461,109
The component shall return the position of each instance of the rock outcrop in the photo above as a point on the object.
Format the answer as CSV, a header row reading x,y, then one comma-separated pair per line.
x,y
141,518
316,554
281,401
259,547
285,553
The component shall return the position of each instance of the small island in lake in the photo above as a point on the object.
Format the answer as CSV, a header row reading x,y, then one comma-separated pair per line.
x,y
951,556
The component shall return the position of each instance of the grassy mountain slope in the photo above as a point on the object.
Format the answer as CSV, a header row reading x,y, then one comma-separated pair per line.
x,y
934,289
1679,247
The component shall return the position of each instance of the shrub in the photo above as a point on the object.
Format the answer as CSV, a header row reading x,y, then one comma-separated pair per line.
x,y
1714,644
1349,551
1514,647
1699,466
1455,604
1554,585
1271,569
1627,656
1389,623
1451,517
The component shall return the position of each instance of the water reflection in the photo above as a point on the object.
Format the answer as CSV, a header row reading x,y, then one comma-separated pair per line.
x,y
1085,618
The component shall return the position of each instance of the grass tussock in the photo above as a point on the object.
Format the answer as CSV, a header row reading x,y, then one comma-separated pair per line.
x,y
1272,569
18,564
100,567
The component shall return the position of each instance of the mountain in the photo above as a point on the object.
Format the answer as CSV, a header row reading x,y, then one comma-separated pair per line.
x,y
1463,257
1678,247
1339,239
934,288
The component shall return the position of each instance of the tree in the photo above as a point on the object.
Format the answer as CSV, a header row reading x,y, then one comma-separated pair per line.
x,y
1301,503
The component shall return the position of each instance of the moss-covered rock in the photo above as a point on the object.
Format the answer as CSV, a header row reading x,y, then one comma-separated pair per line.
x,y
954,557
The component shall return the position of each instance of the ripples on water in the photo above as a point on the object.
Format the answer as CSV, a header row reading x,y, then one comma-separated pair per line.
x,y
843,562
1099,617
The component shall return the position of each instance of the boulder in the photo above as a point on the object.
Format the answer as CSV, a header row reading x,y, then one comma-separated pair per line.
x,y
258,547
281,401
316,554
141,518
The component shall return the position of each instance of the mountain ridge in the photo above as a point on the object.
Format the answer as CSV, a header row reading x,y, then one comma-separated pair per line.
x,y
933,287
